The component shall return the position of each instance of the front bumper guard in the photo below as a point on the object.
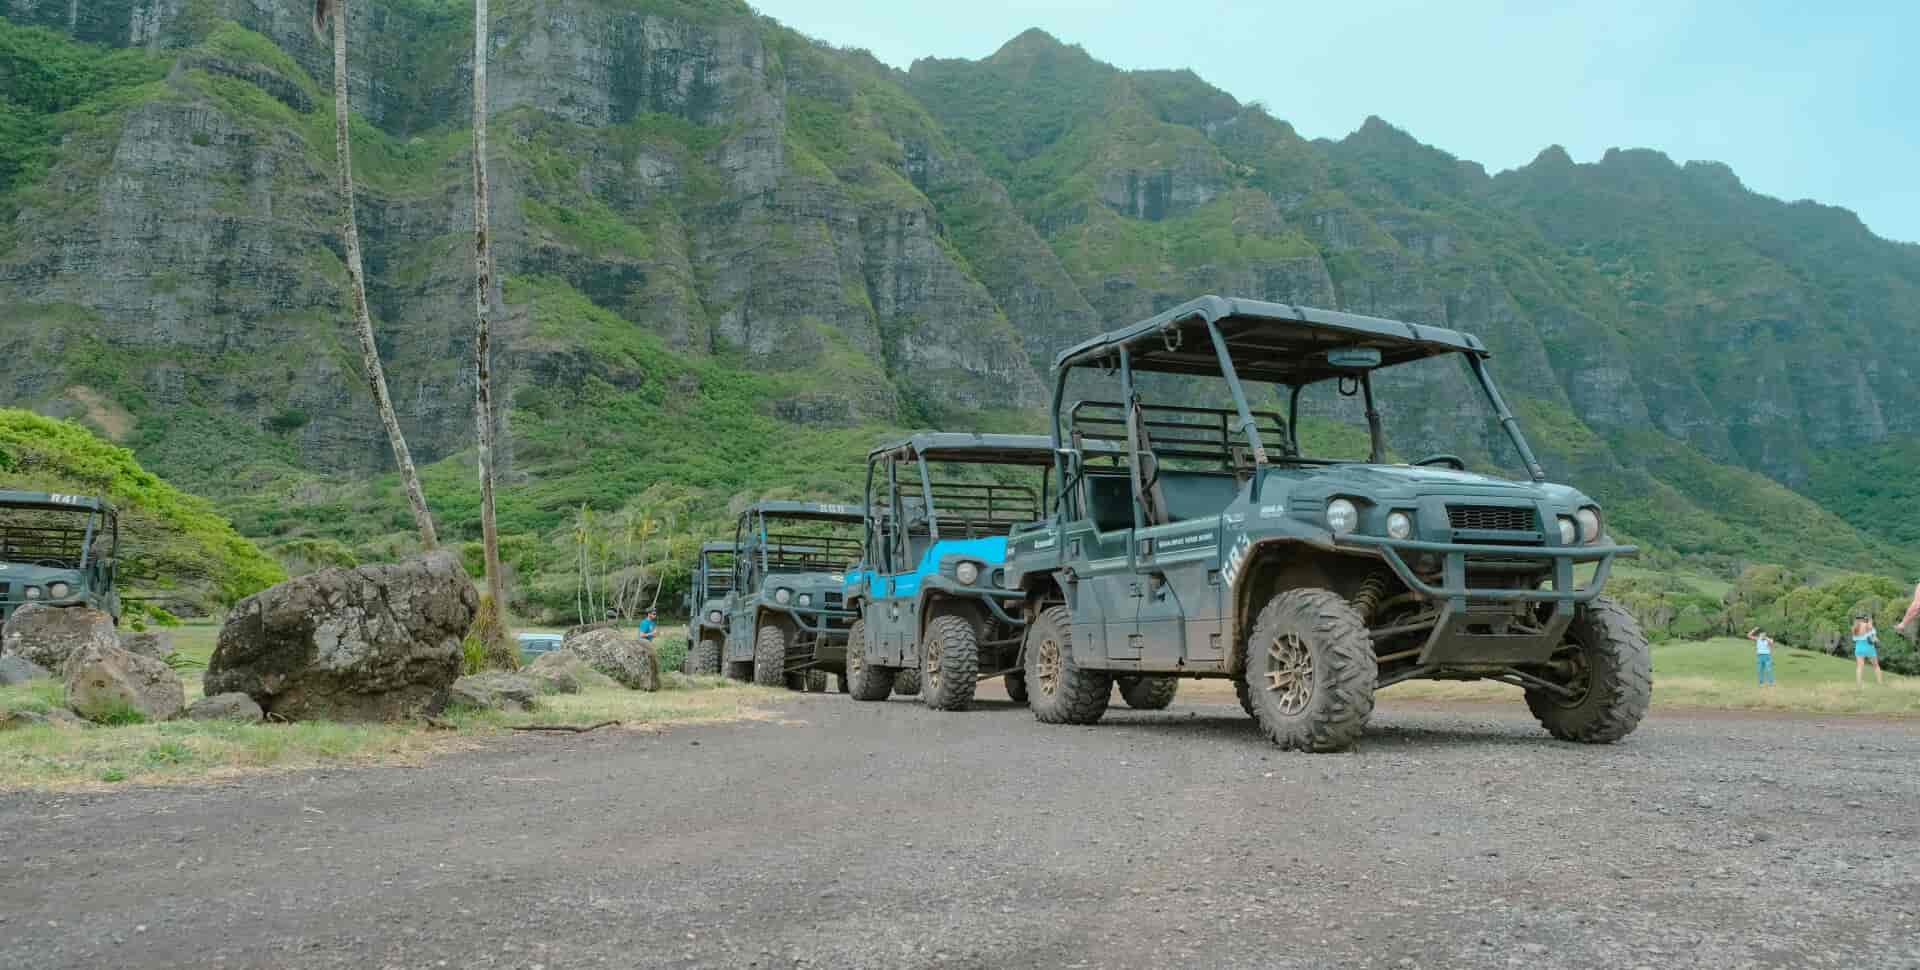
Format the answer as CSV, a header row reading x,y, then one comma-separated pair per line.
x,y
1464,637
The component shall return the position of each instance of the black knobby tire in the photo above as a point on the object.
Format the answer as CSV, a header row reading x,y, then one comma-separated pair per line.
x,y
704,656
865,683
816,681
1310,671
1146,692
906,682
1016,685
1613,678
951,654
1246,697
740,670
1060,691
770,656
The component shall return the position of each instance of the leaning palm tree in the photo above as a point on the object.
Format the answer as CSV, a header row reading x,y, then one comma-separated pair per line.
x,y
336,10
499,651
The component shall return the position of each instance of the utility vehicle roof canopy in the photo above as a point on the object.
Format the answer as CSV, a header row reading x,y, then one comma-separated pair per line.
x,y
54,500
1268,342
808,511
958,446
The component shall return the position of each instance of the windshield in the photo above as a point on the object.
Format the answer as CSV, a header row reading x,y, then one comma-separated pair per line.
x,y
53,538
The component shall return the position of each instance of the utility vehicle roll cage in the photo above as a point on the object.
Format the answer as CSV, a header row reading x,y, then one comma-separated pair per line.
x,y
1291,347
61,539
716,567
793,552
964,510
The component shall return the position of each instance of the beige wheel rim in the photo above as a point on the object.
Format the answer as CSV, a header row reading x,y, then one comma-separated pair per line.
x,y
1046,666
1290,673
931,650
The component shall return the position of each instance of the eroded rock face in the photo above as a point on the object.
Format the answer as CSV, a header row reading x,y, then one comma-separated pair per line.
x,y
626,660
105,682
233,706
494,690
373,643
48,635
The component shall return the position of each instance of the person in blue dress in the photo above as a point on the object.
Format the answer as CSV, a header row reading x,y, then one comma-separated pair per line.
x,y
1865,648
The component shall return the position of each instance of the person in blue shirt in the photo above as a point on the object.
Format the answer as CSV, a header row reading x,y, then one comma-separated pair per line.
x,y
648,625
1762,656
1866,641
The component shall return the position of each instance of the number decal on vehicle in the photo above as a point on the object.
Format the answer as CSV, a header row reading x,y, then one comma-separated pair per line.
x,y
1236,559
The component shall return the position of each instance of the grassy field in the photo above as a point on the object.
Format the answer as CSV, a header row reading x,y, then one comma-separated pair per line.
x,y
50,757
1718,675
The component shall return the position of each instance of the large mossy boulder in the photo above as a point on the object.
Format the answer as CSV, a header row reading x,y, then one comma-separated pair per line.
x,y
48,635
619,656
565,672
372,643
108,684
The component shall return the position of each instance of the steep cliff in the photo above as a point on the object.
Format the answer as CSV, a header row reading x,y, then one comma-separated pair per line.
x,y
733,256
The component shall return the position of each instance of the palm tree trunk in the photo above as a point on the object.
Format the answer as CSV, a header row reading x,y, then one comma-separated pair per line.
x,y
500,652
356,278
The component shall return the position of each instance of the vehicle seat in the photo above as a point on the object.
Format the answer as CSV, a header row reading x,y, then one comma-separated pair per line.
x,y
1147,467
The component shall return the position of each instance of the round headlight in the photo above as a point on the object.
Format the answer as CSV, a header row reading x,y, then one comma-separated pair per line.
x,y
781,596
713,617
1589,519
806,599
33,592
1400,525
967,573
58,590
1569,533
1342,516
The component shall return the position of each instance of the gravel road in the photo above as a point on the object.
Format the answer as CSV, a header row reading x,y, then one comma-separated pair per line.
x,y
841,834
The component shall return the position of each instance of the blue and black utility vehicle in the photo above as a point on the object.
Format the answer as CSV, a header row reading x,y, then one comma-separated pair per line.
x,y
709,600
931,591
788,618
58,550
1212,544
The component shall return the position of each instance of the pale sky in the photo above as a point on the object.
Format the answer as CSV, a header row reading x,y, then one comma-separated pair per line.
x,y
1803,100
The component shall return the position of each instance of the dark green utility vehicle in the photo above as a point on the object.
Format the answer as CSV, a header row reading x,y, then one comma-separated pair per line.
x,y
1212,545
788,622
708,603
59,550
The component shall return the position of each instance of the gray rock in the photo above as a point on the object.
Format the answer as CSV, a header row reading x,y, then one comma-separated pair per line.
x,y
19,670
565,672
12,720
105,682
48,635
623,658
231,706
148,643
373,643
494,690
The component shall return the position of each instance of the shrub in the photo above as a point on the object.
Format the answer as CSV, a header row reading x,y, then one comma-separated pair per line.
x,y
671,652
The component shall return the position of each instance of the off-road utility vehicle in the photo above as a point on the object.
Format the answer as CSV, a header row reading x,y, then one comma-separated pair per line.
x,y
60,550
788,622
1212,546
930,592
708,603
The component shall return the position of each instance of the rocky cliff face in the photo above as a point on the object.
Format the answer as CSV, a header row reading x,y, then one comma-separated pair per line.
x,y
698,211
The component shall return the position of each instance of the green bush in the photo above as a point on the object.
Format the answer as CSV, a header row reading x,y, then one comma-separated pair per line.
x,y
671,652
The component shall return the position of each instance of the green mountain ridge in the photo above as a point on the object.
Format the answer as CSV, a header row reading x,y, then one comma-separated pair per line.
x,y
735,257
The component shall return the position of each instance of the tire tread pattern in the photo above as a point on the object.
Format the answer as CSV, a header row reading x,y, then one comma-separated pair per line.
x,y
1623,678
770,656
959,663
1344,673
1083,695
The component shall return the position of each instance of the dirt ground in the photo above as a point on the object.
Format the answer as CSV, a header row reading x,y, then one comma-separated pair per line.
x,y
884,835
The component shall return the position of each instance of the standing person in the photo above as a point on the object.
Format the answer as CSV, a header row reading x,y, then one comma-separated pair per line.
x,y
648,625
1864,638
1905,626
1762,656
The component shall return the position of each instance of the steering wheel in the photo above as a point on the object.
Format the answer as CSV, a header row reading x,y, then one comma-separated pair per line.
x,y
1453,461
52,563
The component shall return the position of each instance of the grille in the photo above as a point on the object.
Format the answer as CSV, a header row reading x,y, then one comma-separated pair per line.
x,y
1491,518
834,600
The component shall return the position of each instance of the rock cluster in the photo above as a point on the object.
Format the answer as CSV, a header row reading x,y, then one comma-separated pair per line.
x,y
48,635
